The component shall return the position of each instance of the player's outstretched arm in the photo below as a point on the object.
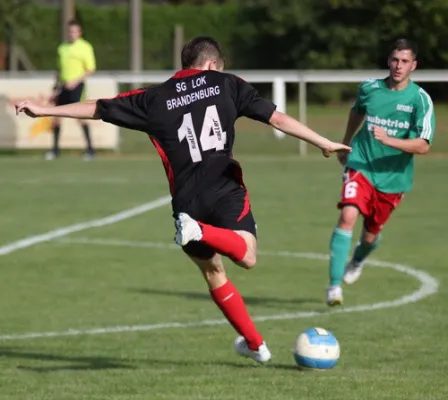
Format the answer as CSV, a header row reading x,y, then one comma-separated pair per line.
x,y
292,127
84,110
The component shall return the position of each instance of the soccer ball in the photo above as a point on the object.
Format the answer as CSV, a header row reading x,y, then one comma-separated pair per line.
x,y
316,348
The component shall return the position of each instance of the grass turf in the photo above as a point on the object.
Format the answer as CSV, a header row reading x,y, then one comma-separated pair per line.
x,y
92,279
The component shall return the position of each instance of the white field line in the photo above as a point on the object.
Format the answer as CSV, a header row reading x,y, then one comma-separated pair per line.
x,y
96,223
428,286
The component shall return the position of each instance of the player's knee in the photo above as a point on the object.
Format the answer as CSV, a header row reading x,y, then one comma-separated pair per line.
x,y
371,238
250,257
249,261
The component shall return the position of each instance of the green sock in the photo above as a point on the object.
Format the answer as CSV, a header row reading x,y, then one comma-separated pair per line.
x,y
363,249
340,244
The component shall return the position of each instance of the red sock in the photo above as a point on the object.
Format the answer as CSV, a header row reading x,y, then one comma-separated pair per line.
x,y
224,241
228,299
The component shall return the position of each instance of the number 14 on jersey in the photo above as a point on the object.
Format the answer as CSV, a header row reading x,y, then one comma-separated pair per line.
x,y
212,135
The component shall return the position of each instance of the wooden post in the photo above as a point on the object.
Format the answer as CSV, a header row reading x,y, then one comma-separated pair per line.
x,y
135,29
67,14
302,113
3,55
13,58
177,48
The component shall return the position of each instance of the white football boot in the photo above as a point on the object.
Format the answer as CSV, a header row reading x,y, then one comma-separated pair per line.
x,y
262,355
187,230
352,272
334,296
88,155
50,155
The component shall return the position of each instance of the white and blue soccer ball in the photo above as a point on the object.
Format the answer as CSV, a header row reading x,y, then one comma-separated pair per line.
x,y
316,348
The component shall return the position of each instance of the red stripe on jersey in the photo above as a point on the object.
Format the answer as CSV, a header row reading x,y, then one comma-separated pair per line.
x,y
126,94
185,73
166,163
130,93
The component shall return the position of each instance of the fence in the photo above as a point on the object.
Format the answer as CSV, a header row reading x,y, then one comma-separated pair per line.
x,y
278,78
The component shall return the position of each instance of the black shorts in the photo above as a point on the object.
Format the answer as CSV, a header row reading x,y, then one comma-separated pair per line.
x,y
224,205
70,96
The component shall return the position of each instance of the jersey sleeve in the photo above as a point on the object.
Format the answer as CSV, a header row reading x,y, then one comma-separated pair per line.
x,y
424,116
250,104
89,58
128,110
359,105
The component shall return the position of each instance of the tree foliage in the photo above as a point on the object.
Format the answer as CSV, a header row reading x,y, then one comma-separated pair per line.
x,y
14,18
341,33
256,34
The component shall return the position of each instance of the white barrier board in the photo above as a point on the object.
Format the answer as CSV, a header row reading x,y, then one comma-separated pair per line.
x,y
25,133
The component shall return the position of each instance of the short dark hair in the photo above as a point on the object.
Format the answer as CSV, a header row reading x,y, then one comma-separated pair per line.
x,y
404,44
199,50
74,22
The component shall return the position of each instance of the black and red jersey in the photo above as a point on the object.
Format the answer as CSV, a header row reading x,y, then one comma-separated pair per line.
x,y
190,120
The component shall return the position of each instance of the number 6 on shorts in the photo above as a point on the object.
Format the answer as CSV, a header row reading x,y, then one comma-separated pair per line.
x,y
351,190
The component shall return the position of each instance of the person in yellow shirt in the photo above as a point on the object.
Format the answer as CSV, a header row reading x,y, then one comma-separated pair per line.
x,y
76,62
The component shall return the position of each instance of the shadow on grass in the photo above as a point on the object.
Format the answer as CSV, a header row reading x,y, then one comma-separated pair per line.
x,y
249,300
95,363
69,363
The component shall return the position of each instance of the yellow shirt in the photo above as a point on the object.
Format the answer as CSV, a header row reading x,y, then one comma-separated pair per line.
x,y
75,59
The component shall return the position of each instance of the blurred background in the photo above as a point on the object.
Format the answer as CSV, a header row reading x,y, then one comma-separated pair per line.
x,y
309,55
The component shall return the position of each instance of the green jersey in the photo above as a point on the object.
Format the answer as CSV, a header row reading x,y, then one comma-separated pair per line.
x,y
404,114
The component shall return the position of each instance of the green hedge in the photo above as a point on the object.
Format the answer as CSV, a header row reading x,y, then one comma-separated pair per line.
x,y
298,34
107,28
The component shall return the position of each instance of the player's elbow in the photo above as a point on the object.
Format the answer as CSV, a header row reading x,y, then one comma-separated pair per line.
x,y
423,148
423,151
277,119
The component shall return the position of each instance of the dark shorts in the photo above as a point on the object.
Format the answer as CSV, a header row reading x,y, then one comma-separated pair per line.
x,y
70,96
224,205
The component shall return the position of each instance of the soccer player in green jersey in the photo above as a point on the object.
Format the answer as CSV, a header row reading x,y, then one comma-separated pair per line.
x,y
397,118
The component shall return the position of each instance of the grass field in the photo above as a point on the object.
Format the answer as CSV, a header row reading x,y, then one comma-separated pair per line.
x,y
127,274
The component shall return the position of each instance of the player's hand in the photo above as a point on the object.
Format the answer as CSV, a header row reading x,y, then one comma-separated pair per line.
x,y
30,109
71,85
333,147
379,134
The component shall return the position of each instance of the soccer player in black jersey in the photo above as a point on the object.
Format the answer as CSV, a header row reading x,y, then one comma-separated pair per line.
x,y
190,120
